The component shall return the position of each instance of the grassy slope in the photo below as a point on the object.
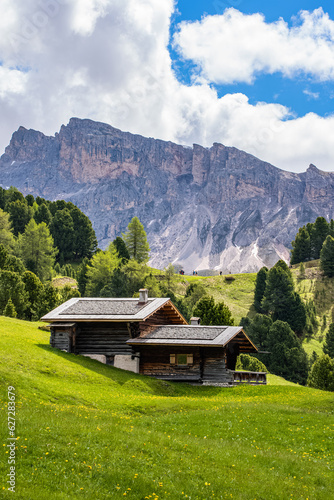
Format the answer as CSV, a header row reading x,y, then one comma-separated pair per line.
x,y
91,431
239,296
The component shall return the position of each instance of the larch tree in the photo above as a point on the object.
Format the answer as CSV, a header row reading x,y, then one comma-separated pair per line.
x,y
136,241
37,249
6,233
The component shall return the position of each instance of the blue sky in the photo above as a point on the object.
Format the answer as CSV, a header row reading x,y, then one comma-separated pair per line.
x,y
254,75
302,94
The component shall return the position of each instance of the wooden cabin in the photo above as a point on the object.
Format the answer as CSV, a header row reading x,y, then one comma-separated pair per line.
x,y
150,336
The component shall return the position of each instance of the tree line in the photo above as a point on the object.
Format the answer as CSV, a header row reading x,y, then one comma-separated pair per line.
x,y
315,241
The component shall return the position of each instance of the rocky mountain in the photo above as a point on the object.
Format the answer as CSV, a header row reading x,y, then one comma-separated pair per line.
x,y
202,208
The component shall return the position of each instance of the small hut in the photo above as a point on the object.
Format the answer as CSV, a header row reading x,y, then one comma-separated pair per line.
x,y
150,336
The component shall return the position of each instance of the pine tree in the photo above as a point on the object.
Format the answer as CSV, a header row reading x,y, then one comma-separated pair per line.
x,y
301,247
319,233
260,286
121,249
327,257
287,358
10,309
211,313
62,231
20,214
136,241
43,214
329,342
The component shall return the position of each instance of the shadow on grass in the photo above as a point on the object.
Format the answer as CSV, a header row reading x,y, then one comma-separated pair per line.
x,y
130,380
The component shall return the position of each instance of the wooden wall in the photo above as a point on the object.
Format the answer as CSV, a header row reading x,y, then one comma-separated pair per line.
x,y
102,338
155,361
61,339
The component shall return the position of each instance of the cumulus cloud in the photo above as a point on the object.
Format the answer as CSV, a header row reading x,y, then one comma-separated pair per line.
x,y
108,60
235,47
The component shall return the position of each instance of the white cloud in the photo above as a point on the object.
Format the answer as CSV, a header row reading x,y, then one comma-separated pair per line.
x,y
109,61
311,95
235,47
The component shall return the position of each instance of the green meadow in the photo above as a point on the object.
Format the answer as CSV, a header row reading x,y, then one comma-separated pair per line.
x,y
88,431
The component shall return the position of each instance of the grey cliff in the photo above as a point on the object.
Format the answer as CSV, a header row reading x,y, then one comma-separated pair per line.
x,y
203,208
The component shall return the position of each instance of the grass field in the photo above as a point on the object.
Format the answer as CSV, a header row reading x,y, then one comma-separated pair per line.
x,y
89,431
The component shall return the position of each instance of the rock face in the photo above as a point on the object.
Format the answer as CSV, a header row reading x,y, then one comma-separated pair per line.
x,y
203,208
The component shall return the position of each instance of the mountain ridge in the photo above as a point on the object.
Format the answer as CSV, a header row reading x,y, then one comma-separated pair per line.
x,y
215,207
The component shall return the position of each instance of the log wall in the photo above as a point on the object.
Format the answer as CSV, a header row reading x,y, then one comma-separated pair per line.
x,y
155,361
61,339
102,338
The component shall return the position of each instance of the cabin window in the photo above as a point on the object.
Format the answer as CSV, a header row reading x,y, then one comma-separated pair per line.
x,y
181,359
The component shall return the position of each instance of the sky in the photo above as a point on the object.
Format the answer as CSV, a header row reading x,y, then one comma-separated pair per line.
x,y
251,74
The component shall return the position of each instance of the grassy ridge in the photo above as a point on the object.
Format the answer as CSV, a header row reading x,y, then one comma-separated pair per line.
x,y
91,431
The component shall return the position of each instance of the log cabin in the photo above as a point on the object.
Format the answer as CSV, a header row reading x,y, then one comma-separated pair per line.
x,y
150,336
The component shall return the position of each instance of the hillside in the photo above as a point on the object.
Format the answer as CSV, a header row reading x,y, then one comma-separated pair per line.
x,y
86,430
238,294
203,208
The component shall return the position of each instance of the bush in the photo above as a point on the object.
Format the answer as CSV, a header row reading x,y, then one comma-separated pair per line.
x,y
249,363
322,374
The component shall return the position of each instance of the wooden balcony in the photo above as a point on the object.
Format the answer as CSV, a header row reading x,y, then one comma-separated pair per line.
x,y
253,378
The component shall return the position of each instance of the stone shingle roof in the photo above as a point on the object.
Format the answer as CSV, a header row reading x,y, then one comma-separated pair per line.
x,y
209,336
90,309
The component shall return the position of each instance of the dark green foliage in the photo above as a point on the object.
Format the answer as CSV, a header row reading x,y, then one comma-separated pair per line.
x,y
49,299
3,257
318,235
281,301
10,262
136,241
40,201
329,342
322,374
12,194
260,286
84,239
43,214
62,231
20,214
258,330
12,287
327,257
301,247
82,276
10,309
250,364
211,313
313,358
125,281
311,318
121,249
34,289
2,198
30,200
287,358
278,292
